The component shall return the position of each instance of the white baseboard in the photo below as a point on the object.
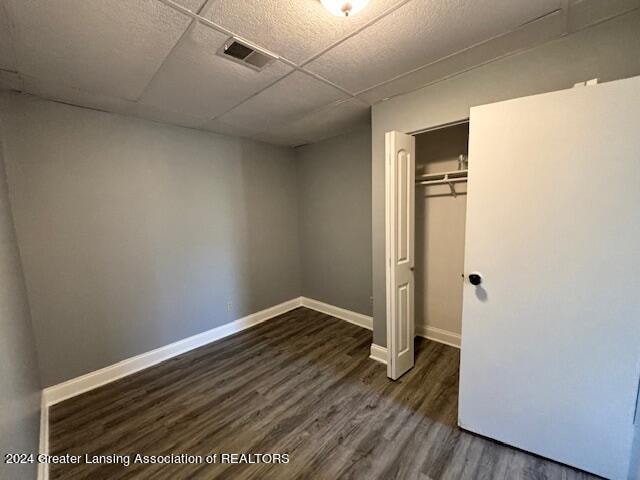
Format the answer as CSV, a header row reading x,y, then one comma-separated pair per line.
x,y
57,393
378,353
84,383
432,333
76,386
358,319
439,335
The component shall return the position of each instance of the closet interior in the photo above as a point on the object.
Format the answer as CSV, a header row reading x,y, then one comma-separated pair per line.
x,y
441,201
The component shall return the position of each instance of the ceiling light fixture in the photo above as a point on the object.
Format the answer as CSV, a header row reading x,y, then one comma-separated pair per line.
x,y
344,8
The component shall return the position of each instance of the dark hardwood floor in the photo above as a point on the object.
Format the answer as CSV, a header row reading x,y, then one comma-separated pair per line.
x,y
300,384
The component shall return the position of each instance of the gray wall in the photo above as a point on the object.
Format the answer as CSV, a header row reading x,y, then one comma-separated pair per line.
x,y
440,222
135,234
634,471
608,51
19,383
334,178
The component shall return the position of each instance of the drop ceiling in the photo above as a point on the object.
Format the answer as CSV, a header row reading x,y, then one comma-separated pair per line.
x,y
158,59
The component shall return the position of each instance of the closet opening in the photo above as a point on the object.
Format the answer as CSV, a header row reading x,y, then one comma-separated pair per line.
x,y
440,212
425,222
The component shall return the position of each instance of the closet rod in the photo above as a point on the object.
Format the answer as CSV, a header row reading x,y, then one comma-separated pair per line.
x,y
445,181
445,178
455,176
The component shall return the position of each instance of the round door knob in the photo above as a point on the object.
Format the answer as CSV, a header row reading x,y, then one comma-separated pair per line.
x,y
475,279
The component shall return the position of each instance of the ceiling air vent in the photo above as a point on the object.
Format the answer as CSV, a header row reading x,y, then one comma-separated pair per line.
x,y
245,54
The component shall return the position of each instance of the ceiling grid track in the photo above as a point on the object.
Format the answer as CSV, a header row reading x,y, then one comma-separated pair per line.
x,y
254,94
458,52
203,8
374,20
564,8
566,5
12,45
332,67
308,114
197,17
495,59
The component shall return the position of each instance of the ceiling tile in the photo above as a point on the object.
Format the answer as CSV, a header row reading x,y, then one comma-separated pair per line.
x,y
583,13
294,29
336,119
287,100
10,81
161,115
110,47
531,34
7,56
73,96
196,81
64,93
193,5
217,126
421,32
285,140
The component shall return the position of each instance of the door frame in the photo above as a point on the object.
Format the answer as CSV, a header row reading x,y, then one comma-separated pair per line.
x,y
439,127
388,230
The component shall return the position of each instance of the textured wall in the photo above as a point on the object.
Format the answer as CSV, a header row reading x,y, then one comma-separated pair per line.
x,y
334,178
19,383
136,234
607,51
634,472
440,222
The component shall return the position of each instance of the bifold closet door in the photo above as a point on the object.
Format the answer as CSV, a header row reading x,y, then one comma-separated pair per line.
x,y
400,248
551,335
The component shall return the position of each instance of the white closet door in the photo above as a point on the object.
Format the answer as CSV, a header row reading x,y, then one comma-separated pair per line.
x,y
400,225
551,337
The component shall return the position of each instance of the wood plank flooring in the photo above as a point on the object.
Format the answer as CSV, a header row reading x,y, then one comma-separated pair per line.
x,y
300,384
